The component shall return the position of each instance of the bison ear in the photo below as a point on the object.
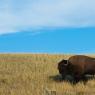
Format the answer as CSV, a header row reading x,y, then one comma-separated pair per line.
x,y
65,62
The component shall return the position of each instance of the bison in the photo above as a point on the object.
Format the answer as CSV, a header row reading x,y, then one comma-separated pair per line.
x,y
77,66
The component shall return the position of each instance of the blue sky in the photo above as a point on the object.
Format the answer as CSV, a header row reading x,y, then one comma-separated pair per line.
x,y
60,40
47,26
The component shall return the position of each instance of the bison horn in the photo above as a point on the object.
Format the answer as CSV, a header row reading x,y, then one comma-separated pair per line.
x,y
65,62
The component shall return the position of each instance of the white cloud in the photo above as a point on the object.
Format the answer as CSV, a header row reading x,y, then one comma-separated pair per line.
x,y
17,15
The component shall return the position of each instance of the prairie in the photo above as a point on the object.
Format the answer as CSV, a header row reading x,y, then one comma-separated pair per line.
x,y
37,74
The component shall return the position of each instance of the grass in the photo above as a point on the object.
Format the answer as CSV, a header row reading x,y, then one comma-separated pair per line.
x,y
36,74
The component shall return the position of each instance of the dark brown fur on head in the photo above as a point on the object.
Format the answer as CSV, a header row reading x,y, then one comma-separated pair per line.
x,y
62,67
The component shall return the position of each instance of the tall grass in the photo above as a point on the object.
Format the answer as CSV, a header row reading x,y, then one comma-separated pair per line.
x,y
35,74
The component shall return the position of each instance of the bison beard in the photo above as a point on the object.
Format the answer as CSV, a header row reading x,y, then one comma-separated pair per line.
x,y
77,67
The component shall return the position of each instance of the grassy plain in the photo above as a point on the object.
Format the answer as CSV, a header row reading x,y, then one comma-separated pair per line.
x,y
36,74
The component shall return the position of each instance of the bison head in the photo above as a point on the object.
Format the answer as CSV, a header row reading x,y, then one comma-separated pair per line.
x,y
62,67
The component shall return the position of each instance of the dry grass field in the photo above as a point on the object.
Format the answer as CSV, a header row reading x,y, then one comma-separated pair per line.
x,y
36,74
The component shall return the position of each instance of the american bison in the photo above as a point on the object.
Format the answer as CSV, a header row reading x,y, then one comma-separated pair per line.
x,y
77,67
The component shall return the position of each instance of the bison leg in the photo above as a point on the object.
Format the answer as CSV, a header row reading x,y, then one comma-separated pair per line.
x,y
80,78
